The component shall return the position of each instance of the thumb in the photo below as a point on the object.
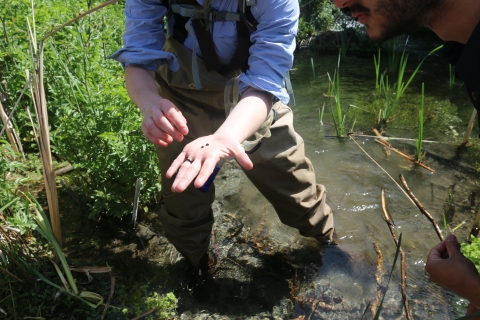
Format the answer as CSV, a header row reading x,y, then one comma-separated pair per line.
x,y
242,158
452,244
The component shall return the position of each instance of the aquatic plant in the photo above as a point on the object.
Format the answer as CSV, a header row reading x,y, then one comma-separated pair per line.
x,y
337,115
377,70
418,141
451,78
320,114
393,95
313,68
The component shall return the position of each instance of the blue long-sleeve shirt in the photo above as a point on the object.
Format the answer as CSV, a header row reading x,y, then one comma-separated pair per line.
x,y
271,54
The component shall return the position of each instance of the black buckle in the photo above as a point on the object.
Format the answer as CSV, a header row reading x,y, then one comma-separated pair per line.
x,y
216,16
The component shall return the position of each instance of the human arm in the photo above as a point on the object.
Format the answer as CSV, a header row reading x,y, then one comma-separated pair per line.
x,y
449,268
271,56
247,116
162,121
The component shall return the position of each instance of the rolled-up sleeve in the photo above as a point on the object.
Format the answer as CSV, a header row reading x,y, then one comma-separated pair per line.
x,y
144,36
271,55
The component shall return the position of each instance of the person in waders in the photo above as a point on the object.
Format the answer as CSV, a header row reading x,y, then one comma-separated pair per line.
x,y
457,22
185,77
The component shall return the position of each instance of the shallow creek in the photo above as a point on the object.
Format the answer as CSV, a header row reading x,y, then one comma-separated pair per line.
x,y
292,277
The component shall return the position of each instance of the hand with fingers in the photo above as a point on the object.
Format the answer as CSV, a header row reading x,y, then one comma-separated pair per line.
x,y
163,122
198,159
449,268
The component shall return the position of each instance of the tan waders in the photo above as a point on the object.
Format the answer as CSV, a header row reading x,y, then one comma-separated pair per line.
x,y
281,172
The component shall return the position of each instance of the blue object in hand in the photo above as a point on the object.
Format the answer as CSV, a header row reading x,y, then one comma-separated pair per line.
x,y
209,182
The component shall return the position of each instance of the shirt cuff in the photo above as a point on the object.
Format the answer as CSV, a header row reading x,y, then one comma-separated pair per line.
x,y
263,84
150,60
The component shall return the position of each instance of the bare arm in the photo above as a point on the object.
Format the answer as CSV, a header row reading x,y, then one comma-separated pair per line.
x,y
162,121
244,120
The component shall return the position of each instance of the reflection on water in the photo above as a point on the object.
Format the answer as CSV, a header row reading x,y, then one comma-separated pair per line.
x,y
347,279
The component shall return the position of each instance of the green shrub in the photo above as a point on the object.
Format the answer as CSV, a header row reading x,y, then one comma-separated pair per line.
x,y
94,125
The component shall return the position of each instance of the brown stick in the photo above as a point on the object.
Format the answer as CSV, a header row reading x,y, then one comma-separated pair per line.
x,y
475,226
388,220
469,129
64,170
378,278
78,18
422,209
387,145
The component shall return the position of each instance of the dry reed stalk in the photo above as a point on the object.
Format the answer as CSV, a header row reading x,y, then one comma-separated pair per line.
x,y
378,278
386,145
78,18
422,209
379,135
469,129
388,219
10,131
43,140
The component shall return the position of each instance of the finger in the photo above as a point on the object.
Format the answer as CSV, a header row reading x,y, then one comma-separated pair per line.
x,y
187,172
176,164
154,134
437,251
452,245
242,158
206,170
175,117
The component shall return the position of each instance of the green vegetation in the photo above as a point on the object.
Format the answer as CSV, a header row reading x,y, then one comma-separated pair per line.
x,y
472,251
95,128
94,125
418,141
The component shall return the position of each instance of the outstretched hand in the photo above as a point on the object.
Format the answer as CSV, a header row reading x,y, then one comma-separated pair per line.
x,y
449,268
198,159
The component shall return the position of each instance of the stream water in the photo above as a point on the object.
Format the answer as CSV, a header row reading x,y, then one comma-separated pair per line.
x,y
342,282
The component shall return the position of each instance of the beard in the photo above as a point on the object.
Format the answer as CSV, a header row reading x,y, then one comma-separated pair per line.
x,y
399,16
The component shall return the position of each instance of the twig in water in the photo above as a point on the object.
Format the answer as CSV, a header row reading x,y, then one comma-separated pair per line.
x,y
387,145
387,218
378,278
420,206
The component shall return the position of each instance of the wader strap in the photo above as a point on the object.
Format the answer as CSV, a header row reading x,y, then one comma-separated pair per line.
x,y
205,41
288,86
195,74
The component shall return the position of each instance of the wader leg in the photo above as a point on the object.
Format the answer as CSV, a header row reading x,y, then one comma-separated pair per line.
x,y
285,176
187,217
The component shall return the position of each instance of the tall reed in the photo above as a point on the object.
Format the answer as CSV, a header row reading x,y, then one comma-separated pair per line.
x,y
418,141
399,87
337,114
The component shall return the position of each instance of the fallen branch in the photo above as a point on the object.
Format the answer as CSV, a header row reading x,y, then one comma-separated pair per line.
x,y
387,145
420,206
389,221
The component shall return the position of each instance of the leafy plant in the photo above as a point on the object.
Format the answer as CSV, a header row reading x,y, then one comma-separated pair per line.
x,y
472,251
